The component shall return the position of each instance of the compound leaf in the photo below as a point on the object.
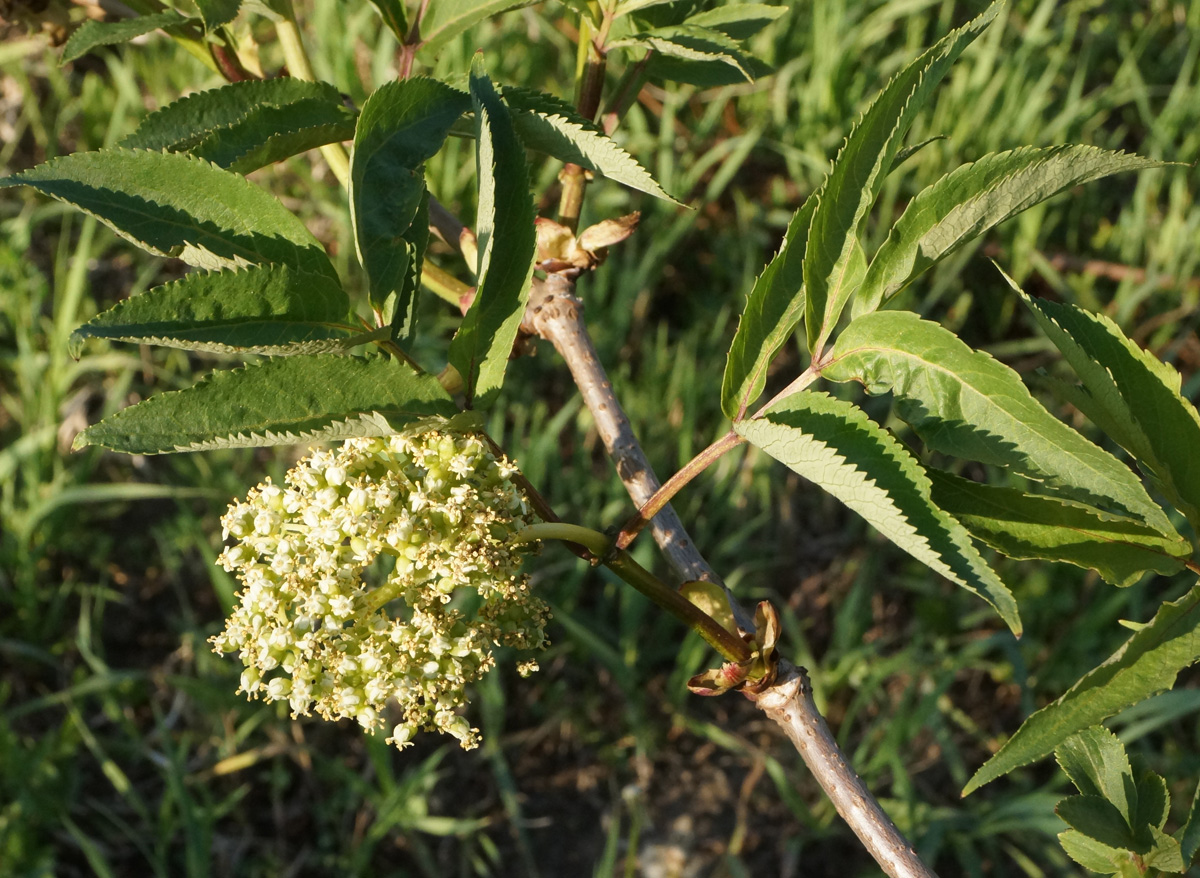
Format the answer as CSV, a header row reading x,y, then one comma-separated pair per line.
x,y
1145,665
836,446
1029,526
402,124
266,309
858,174
965,403
507,246
284,401
972,199
91,34
549,125
1131,395
773,310
246,125
175,204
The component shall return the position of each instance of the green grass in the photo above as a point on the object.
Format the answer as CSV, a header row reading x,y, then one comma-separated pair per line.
x,y
123,749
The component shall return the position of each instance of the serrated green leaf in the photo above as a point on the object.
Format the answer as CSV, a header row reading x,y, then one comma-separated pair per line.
x,y
547,124
974,198
246,125
1091,854
266,309
176,205
1095,761
447,19
1097,818
836,446
1189,835
1153,801
1145,665
215,13
91,34
1028,526
1164,853
858,174
965,403
1133,396
401,126
507,246
394,15
284,401
740,21
773,310
689,43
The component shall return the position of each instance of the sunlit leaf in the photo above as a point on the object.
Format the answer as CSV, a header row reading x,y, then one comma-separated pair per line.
x,y
837,447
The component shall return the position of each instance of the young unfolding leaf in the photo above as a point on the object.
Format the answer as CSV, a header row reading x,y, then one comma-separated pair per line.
x,y
401,126
549,125
837,447
965,403
972,199
1132,396
265,309
858,174
1028,526
91,34
285,401
177,205
507,247
246,125
773,310
1145,665
446,19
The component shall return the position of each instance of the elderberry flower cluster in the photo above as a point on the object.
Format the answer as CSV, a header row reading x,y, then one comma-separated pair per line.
x,y
433,516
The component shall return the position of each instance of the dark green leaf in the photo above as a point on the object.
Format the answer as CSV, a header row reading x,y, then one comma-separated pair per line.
x,y
447,19
967,404
858,174
177,205
399,311
549,125
1029,526
246,125
215,13
96,33
1145,665
1189,835
507,245
285,401
1153,801
401,126
740,21
773,310
266,309
1132,396
1096,763
700,48
1097,818
394,16
972,199
836,446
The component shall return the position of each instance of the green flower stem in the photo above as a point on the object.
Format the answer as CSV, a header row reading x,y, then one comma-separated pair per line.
x,y
728,644
299,66
663,495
